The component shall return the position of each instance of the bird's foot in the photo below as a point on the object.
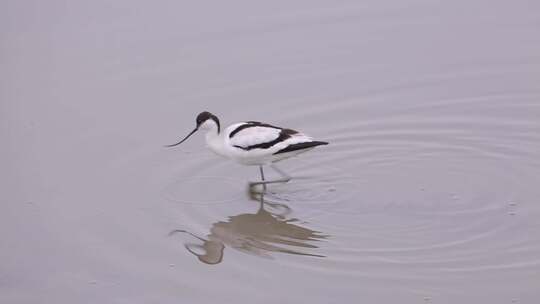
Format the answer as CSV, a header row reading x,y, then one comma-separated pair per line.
x,y
253,185
282,180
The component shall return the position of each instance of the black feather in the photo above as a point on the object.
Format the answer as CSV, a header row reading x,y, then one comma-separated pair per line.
x,y
301,146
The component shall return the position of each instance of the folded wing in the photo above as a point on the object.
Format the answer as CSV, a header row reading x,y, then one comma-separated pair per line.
x,y
255,135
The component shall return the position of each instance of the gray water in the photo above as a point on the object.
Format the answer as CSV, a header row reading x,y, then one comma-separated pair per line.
x,y
427,193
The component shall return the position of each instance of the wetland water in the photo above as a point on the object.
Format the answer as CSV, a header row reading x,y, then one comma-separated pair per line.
x,y
428,191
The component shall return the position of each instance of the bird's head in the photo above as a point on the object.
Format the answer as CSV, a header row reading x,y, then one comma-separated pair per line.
x,y
204,121
207,121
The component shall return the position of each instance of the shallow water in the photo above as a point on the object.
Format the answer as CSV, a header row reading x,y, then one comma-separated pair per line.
x,y
428,191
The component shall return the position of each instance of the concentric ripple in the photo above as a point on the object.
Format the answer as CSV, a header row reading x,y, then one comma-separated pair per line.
x,y
427,193
433,189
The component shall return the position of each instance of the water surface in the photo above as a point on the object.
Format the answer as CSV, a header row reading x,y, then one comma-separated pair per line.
x,y
428,191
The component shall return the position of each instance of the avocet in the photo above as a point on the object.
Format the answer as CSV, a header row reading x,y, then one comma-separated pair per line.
x,y
253,143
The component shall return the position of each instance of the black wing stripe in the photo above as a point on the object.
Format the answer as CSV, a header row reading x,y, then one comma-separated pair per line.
x,y
282,137
301,146
240,128
250,124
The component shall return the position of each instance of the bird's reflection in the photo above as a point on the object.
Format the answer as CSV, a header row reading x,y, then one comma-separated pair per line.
x,y
260,234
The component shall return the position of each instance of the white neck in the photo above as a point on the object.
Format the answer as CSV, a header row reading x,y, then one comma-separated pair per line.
x,y
215,142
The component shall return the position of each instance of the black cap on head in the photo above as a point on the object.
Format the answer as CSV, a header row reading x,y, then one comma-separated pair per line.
x,y
204,116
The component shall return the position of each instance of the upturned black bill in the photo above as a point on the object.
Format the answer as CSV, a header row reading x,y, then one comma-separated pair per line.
x,y
176,144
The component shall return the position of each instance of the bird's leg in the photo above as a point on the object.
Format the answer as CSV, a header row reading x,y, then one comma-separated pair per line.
x,y
284,178
262,177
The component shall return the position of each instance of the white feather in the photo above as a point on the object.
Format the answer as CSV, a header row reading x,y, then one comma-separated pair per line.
x,y
225,146
254,136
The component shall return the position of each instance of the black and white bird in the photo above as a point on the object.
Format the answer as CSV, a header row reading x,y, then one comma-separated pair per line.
x,y
253,143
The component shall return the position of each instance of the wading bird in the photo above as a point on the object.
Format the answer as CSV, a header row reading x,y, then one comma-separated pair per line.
x,y
253,143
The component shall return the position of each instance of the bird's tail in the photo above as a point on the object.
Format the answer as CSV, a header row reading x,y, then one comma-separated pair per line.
x,y
301,146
